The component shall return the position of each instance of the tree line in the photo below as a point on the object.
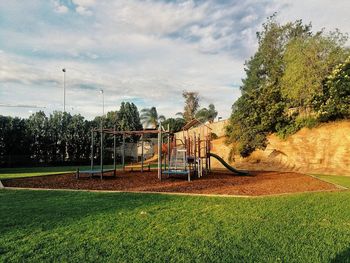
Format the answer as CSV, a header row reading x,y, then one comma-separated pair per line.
x,y
59,138
297,78
62,138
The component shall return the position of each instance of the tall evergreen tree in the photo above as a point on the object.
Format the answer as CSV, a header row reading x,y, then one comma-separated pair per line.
x,y
260,109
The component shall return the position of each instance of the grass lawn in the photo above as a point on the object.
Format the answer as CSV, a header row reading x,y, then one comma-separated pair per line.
x,y
38,171
81,226
335,179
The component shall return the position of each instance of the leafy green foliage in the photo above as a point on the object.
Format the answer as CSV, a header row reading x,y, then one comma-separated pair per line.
x,y
207,114
296,124
175,124
128,117
14,141
334,102
289,70
42,226
260,109
150,117
191,105
213,136
60,137
308,61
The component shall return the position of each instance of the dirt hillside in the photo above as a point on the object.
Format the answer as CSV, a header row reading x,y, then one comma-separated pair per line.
x,y
323,150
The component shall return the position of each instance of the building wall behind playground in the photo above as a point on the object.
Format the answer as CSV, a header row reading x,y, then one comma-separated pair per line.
x,y
217,128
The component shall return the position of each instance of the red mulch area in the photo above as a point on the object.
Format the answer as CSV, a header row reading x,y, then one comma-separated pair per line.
x,y
220,183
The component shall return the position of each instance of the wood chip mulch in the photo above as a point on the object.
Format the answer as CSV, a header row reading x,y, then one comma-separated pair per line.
x,y
220,183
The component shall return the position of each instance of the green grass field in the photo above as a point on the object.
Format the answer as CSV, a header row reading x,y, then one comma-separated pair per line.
x,y
335,179
64,226
6,173
38,171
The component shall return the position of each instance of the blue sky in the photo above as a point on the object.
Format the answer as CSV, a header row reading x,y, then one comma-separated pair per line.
x,y
147,52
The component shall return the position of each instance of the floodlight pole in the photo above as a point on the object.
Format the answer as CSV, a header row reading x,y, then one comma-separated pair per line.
x,y
103,113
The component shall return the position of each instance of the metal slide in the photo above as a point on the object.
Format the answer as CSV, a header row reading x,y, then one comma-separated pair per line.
x,y
227,166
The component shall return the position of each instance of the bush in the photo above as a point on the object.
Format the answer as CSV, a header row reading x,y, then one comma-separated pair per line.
x,y
334,102
214,136
297,124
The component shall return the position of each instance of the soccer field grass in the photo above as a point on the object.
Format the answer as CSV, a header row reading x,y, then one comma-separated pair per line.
x,y
38,171
81,226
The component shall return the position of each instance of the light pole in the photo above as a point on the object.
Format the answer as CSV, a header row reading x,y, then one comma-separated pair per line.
x,y
64,89
103,113
103,102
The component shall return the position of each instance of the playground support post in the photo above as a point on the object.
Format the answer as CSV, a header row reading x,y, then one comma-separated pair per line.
x,y
142,153
199,168
195,151
114,151
123,153
168,150
160,151
207,155
209,162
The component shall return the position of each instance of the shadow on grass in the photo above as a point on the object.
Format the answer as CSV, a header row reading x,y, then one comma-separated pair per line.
x,y
344,256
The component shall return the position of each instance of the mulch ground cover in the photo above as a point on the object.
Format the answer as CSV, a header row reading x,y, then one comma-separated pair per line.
x,y
220,183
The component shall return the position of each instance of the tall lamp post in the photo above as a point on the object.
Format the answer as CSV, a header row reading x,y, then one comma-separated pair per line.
x,y
103,113
64,89
103,102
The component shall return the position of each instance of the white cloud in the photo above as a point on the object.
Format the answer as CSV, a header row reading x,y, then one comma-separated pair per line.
x,y
142,51
83,10
59,8
84,2
83,6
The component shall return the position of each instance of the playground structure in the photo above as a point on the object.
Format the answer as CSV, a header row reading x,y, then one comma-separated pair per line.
x,y
189,155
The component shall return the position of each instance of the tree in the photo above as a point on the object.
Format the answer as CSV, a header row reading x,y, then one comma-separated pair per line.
x,y
14,141
308,60
40,139
128,117
191,105
260,109
207,114
334,101
77,139
150,117
175,124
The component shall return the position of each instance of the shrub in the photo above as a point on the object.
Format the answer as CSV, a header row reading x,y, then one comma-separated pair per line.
x,y
334,102
297,124
214,136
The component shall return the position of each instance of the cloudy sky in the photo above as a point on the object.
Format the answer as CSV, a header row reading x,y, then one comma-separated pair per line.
x,y
146,52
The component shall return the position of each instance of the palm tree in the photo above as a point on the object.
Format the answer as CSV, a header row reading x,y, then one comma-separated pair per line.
x,y
205,114
150,117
